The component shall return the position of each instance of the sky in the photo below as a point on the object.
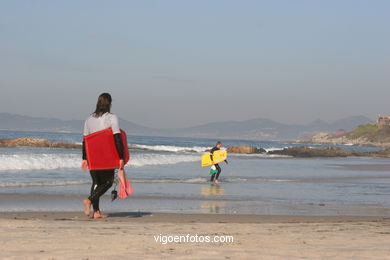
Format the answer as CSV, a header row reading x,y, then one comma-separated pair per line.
x,y
171,64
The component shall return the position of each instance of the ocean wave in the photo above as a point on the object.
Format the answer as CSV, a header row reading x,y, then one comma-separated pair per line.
x,y
39,161
201,180
190,180
73,161
181,149
169,148
161,159
37,184
255,179
52,161
196,180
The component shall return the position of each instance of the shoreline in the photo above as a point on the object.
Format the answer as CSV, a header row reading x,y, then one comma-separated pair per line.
x,y
38,204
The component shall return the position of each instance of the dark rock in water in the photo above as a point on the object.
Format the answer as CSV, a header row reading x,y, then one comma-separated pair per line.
x,y
306,152
35,142
245,149
385,153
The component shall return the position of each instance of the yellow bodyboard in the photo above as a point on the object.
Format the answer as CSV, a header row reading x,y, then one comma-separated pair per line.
x,y
219,156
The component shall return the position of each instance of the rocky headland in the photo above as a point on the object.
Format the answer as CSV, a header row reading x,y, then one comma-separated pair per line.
x,y
363,135
308,152
36,142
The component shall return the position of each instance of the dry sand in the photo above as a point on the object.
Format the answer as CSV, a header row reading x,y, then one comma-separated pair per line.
x,y
56,235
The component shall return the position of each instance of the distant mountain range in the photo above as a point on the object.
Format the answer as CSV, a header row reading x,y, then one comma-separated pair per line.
x,y
27,123
258,129
266,129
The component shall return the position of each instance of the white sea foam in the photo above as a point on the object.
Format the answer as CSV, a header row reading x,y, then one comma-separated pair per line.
x,y
274,149
39,161
161,159
190,180
178,149
73,161
35,184
169,148
36,160
198,180
82,182
252,179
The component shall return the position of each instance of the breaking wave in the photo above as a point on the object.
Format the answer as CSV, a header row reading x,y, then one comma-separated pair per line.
x,y
169,148
39,161
36,184
73,161
161,159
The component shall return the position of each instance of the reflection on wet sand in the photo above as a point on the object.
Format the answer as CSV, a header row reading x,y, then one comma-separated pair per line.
x,y
210,190
213,191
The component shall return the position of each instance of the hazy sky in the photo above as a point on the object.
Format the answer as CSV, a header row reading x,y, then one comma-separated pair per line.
x,y
183,63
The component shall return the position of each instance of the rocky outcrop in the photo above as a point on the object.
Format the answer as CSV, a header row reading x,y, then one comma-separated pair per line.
x,y
36,142
245,149
306,152
321,138
324,138
363,135
384,153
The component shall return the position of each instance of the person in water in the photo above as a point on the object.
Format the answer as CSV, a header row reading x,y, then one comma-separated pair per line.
x,y
102,180
215,176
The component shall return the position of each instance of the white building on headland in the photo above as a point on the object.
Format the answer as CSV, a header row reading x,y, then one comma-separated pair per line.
x,y
383,120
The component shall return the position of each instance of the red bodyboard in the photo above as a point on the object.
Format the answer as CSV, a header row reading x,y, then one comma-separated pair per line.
x,y
101,150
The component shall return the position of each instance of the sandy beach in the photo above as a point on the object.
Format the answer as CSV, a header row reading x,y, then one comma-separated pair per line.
x,y
266,208
70,235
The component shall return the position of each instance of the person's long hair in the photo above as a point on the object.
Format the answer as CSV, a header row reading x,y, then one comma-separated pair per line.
x,y
103,105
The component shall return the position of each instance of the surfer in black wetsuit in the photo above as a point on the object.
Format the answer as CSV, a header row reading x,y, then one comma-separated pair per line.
x,y
102,180
215,176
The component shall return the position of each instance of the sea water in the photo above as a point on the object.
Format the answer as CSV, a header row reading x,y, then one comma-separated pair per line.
x,y
167,177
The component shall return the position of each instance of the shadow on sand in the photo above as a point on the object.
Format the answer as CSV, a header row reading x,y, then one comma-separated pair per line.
x,y
128,214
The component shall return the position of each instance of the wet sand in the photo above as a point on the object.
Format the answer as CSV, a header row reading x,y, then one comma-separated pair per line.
x,y
72,203
149,217
130,235
365,167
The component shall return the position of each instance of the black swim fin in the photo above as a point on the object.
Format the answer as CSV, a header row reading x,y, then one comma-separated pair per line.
x,y
114,195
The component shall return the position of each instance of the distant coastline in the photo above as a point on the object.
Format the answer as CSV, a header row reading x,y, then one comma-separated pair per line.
x,y
296,151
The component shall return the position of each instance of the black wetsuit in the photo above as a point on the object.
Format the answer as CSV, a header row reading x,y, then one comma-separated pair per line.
x,y
102,180
215,176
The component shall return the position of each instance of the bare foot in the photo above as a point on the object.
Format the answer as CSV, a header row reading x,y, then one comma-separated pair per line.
x,y
87,204
98,214
217,182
